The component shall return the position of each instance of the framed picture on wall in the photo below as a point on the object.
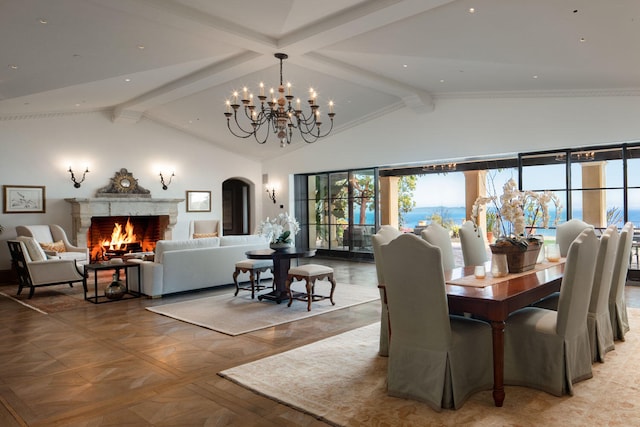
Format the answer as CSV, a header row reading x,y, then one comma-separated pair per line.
x,y
23,199
198,201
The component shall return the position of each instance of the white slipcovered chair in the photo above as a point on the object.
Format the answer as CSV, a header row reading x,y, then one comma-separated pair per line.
x,y
567,232
35,269
433,357
385,235
598,320
617,303
54,241
439,236
203,228
474,250
550,350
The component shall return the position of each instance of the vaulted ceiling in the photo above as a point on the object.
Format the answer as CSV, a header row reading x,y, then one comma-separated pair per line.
x,y
177,61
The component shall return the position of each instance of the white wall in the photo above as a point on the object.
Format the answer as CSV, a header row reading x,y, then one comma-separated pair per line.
x,y
467,128
38,151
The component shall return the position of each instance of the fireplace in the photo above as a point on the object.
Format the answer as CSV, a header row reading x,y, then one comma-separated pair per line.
x,y
84,212
115,236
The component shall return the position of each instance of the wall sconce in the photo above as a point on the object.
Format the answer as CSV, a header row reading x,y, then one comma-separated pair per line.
x,y
271,193
77,183
165,185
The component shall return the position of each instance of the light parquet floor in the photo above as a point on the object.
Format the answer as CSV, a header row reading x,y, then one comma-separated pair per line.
x,y
118,364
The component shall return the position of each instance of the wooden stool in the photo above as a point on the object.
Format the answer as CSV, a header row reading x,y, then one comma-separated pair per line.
x,y
254,267
310,273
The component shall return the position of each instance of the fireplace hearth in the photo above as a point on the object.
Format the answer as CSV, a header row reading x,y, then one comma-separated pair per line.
x,y
84,211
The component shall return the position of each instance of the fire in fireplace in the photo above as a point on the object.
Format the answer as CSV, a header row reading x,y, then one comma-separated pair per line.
x,y
115,236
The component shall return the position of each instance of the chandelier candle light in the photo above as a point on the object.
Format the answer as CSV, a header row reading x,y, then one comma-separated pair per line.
x,y
276,113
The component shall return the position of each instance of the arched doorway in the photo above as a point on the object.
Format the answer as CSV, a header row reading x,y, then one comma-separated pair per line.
x,y
235,207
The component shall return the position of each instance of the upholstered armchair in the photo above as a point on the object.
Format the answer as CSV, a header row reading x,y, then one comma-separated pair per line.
x,y
54,242
204,228
35,268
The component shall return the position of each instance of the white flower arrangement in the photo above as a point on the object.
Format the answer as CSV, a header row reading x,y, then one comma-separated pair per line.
x,y
517,211
279,229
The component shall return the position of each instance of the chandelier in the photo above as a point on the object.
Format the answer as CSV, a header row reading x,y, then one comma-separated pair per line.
x,y
276,114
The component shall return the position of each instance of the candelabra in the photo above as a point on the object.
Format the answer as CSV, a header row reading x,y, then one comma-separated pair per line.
x,y
276,113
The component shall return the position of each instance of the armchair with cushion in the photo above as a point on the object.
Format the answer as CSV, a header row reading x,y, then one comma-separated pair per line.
x,y
35,269
203,228
54,242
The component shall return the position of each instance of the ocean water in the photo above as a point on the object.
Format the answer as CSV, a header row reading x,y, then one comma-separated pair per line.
x,y
458,215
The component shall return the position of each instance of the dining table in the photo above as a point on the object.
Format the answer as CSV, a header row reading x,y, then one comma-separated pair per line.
x,y
281,264
494,302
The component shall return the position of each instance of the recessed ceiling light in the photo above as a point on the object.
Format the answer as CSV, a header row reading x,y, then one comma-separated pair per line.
x,y
77,105
13,66
141,46
404,65
127,80
582,40
442,81
43,21
472,10
535,77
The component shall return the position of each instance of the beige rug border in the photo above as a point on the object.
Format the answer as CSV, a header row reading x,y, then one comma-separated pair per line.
x,y
303,315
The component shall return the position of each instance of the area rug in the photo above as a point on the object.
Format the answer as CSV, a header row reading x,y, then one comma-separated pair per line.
x,y
48,299
342,381
239,315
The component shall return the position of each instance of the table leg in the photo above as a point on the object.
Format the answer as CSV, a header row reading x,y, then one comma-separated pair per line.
x,y
280,271
497,332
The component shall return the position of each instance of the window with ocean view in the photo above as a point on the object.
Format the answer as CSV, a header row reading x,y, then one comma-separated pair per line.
x,y
341,210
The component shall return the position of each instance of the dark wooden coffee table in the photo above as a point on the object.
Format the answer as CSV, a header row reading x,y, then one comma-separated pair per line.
x,y
281,264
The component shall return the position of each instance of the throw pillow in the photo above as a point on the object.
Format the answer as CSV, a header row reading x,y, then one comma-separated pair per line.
x,y
204,235
55,246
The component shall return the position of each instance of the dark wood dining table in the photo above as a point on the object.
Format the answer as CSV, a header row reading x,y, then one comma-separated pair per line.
x,y
494,303
281,264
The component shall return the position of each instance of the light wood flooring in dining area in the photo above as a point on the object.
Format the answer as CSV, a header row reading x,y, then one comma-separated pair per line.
x,y
119,364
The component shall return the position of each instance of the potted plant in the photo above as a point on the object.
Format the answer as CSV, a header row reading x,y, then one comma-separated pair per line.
x,y
516,212
279,230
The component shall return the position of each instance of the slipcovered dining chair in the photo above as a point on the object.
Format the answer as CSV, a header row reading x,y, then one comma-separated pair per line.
x,y
54,242
617,303
438,236
549,350
598,321
385,235
567,232
434,357
474,251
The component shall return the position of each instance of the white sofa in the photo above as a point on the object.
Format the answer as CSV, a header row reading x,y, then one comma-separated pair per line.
x,y
185,265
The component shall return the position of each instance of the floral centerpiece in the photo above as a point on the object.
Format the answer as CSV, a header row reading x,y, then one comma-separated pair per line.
x,y
518,213
279,230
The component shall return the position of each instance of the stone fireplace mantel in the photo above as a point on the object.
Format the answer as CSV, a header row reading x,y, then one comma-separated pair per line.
x,y
83,209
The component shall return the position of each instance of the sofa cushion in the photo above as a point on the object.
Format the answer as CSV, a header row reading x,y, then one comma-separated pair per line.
x,y
242,240
35,251
163,246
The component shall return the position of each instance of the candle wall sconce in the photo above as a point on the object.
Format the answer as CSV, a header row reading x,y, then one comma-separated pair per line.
x,y
165,185
76,183
271,193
